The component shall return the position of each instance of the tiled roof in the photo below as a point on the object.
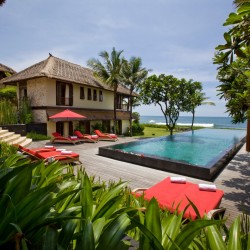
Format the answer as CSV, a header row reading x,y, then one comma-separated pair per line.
x,y
59,69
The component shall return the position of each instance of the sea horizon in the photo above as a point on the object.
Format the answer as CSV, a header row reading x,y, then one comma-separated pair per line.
x,y
201,121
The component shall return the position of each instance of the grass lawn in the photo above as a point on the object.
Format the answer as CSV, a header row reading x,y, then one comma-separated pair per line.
x,y
160,130
154,132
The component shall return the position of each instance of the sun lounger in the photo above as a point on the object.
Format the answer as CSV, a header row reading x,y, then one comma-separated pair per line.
x,y
61,156
61,139
86,137
173,195
106,136
51,155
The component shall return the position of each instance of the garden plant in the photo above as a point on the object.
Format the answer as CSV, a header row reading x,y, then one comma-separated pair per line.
x,y
57,206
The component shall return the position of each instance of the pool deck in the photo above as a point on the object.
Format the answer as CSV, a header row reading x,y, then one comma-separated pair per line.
x,y
234,179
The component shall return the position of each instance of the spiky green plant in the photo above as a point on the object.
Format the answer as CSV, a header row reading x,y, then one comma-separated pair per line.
x,y
51,207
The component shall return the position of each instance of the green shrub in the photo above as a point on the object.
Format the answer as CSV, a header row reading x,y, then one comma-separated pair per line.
x,y
37,137
80,128
55,207
8,112
9,93
7,149
25,111
137,129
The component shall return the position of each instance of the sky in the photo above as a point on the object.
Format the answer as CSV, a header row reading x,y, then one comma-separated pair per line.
x,y
172,37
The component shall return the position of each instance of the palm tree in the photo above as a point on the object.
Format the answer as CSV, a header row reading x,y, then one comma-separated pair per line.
x,y
133,74
109,72
199,98
195,98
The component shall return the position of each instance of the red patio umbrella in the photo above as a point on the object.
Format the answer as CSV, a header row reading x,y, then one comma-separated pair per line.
x,y
67,115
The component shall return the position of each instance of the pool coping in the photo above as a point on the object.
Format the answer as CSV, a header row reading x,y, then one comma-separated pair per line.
x,y
174,166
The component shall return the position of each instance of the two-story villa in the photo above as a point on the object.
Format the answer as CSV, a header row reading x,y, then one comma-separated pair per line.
x,y
54,85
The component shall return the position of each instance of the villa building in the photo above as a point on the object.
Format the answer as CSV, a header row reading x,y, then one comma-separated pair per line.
x,y
54,85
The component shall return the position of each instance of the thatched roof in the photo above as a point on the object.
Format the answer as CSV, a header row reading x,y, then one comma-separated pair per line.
x,y
59,69
5,68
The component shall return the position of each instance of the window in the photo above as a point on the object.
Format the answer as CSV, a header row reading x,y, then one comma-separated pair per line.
x,y
89,94
82,95
94,95
64,94
100,96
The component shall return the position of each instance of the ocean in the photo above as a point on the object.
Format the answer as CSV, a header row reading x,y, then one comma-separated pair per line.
x,y
202,121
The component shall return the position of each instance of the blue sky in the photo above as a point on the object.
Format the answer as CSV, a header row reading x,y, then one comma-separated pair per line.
x,y
174,37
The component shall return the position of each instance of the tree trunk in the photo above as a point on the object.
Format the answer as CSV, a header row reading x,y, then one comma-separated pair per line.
x,y
115,103
248,136
192,125
130,115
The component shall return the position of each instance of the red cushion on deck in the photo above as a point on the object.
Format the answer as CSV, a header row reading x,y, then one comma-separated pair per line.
x,y
171,195
57,154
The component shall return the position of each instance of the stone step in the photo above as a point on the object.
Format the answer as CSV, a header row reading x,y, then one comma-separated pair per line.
x,y
5,135
22,140
3,131
11,138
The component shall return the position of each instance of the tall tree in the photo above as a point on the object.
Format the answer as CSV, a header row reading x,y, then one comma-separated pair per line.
x,y
133,75
237,43
109,72
195,98
169,93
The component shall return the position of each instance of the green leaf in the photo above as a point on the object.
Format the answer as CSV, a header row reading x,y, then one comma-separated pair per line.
x,y
227,37
152,219
154,243
235,236
114,233
233,18
215,238
66,234
86,197
98,226
86,241
244,9
50,238
109,202
186,236
171,226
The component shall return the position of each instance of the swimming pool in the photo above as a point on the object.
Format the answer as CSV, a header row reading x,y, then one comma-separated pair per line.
x,y
200,154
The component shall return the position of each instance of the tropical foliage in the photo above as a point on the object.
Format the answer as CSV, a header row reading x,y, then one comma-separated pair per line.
x,y
56,207
132,76
233,59
9,93
196,98
110,71
8,112
173,96
25,111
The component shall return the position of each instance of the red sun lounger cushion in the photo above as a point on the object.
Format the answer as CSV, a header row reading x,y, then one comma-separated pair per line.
x,y
171,195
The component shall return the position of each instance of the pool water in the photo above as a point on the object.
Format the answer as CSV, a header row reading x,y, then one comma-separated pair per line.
x,y
202,147
199,154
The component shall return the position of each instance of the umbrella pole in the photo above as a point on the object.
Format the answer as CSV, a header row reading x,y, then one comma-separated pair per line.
x,y
66,129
